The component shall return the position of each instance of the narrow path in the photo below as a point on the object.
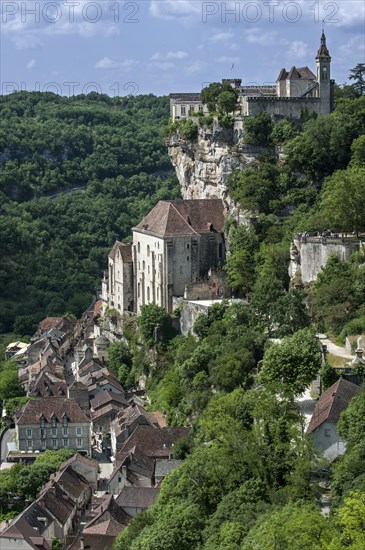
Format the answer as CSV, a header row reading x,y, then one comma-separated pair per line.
x,y
334,349
306,405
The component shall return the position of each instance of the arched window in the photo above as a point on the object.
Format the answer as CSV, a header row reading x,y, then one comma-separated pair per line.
x,y
148,251
148,294
139,247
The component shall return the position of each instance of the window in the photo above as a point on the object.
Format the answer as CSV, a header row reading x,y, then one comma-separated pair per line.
x,y
54,432
143,265
192,108
79,442
139,290
139,247
148,293
188,246
220,250
148,270
327,432
65,443
54,443
64,421
43,445
201,108
148,251
78,431
42,422
65,431
187,258
29,432
29,444
43,433
183,110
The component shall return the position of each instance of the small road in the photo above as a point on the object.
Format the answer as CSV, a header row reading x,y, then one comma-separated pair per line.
x,y
8,437
306,405
334,349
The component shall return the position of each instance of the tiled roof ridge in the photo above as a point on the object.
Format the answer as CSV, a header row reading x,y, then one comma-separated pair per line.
x,y
182,217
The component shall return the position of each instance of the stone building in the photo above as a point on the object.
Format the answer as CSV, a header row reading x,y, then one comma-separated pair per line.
x,y
53,423
295,92
177,243
119,294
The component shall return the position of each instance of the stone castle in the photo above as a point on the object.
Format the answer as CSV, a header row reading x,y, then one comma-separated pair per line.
x,y
296,91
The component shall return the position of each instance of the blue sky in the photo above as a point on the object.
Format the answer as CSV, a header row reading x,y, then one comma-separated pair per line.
x,y
163,46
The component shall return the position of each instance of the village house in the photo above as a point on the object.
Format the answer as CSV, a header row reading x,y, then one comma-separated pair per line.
x,y
296,91
108,521
133,468
85,467
134,500
323,424
126,422
53,423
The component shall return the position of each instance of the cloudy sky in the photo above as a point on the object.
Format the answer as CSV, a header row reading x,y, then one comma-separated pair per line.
x,y
163,46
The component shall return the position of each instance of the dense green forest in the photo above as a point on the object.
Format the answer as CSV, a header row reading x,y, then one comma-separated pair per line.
x,y
54,243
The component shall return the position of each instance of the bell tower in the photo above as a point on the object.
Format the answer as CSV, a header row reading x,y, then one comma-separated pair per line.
x,y
323,61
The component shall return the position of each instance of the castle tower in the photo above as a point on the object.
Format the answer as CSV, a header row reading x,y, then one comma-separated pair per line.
x,y
323,61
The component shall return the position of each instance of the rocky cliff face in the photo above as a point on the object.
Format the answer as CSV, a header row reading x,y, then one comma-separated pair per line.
x,y
203,166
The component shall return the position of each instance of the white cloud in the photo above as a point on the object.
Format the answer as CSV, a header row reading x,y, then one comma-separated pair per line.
x,y
31,64
160,66
262,37
221,36
106,63
175,9
194,67
298,50
227,59
176,55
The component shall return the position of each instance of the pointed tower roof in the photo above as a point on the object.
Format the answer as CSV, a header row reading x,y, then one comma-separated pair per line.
x,y
323,52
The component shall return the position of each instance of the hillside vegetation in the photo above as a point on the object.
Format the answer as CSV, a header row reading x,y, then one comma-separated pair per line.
x,y
53,250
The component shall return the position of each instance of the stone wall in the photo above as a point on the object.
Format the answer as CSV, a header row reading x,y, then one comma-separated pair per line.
x,y
308,254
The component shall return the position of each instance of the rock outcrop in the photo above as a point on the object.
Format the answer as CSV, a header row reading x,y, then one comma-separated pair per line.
x,y
203,166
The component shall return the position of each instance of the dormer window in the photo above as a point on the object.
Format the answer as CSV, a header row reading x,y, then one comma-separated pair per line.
x,y
53,421
42,421
64,421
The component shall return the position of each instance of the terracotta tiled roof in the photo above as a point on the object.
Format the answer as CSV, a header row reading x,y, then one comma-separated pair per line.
x,y
107,409
21,530
78,458
109,519
133,415
153,442
57,503
183,218
48,323
331,403
137,497
46,385
48,407
106,397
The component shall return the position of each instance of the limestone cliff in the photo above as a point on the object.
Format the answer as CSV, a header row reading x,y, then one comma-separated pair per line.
x,y
203,166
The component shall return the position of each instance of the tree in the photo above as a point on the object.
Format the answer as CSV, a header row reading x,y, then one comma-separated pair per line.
x,y
154,323
343,200
351,425
226,101
294,362
283,131
240,264
358,151
293,527
352,520
219,96
119,355
358,75
258,129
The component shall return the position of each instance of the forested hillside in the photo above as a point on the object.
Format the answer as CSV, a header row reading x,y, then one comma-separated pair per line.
x,y
252,478
54,243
